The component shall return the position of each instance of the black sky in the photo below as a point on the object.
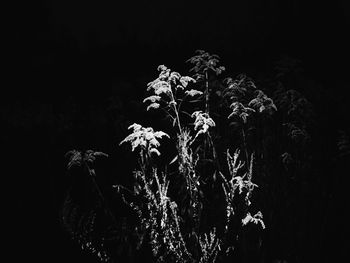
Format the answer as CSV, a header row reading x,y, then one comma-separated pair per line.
x,y
108,38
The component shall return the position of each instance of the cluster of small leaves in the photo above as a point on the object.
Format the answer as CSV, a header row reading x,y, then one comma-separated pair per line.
x,y
170,90
203,62
202,122
262,103
295,112
256,219
145,138
293,103
240,111
243,98
239,89
76,158
165,87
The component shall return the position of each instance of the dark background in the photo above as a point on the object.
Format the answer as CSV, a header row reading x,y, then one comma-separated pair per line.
x,y
77,70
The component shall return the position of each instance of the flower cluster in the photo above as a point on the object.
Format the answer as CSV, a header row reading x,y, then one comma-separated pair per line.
x,y
145,138
167,82
202,122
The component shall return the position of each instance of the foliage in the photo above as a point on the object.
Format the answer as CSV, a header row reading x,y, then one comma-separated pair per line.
x,y
145,138
174,223
81,220
204,64
223,161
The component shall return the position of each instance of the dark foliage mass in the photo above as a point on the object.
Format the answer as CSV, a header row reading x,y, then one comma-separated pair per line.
x,y
75,87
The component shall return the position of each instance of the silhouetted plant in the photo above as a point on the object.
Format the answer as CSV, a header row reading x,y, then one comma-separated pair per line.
x,y
172,201
182,237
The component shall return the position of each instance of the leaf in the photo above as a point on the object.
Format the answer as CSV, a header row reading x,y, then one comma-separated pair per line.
x,y
152,98
194,101
153,106
154,150
173,160
193,92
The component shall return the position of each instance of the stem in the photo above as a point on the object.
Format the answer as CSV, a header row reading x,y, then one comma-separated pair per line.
x,y
108,209
142,161
206,92
178,119
245,145
214,152
173,103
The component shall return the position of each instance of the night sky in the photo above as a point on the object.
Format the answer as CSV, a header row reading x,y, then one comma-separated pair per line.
x,y
107,39
88,51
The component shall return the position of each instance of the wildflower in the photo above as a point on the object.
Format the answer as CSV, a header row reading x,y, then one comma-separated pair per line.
x,y
202,122
164,85
146,138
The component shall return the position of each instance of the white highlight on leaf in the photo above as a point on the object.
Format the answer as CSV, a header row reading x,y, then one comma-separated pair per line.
x,y
153,106
145,138
262,102
193,92
256,219
185,80
152,98
238,109
202,122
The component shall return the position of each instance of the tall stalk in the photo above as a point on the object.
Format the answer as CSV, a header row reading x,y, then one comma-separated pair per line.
x,y
207,91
